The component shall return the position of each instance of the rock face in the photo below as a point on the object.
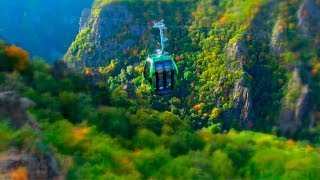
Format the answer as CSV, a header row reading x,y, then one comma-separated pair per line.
x,y
39,163
237,50
242,104
130,88
309,18
276,45
107,34
295,106
38,166
14,107
241,93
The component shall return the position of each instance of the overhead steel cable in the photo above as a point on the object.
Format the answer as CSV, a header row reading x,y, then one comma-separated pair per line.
x,y
139,14
186,27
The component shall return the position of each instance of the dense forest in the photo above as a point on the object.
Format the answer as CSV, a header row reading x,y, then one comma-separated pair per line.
x,y
78,130
247,105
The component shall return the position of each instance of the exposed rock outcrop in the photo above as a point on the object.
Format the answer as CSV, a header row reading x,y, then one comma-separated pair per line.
x,y
309,18
295,106
130,88
242,107
237,51
38,165
241,93
107,34
39,162
276,43
14,107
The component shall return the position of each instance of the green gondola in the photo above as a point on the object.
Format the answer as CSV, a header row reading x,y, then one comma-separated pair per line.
x,y
160,70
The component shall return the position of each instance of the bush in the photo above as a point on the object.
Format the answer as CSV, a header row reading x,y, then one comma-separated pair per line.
x,y
146,139
15,59
183,142
112,121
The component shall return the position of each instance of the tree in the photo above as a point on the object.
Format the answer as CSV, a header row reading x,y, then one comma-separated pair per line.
x,y
17,59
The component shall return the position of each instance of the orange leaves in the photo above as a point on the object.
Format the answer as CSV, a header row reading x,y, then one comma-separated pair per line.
x,y
282,25
198,107
178,58
19,173
135,52
305,12
316,69
291,143
222,20
125,165
14,51
18,57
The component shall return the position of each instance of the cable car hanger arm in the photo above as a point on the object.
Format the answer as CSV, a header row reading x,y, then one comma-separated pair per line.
x,y
160,25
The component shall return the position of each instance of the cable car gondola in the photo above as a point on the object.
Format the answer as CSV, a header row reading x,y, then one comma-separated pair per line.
x,y
160,70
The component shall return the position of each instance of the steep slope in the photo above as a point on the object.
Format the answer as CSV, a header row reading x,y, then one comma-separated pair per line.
x,y
237,58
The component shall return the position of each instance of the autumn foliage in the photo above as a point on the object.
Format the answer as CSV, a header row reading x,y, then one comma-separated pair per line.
x,y
19,174
16,59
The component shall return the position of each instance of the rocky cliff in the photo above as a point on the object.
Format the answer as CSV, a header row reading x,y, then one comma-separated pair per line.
x,y
30,162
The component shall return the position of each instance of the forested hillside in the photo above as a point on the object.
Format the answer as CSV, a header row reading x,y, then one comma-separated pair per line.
x,y
247,105
244,64
55,125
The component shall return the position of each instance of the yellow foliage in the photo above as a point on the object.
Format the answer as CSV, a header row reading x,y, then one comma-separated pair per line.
x,y
264,139
19,173
232,134
87,71
309,148
291,26
108,69
80,134
206,136
215,113
111,66
138,69
281,26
